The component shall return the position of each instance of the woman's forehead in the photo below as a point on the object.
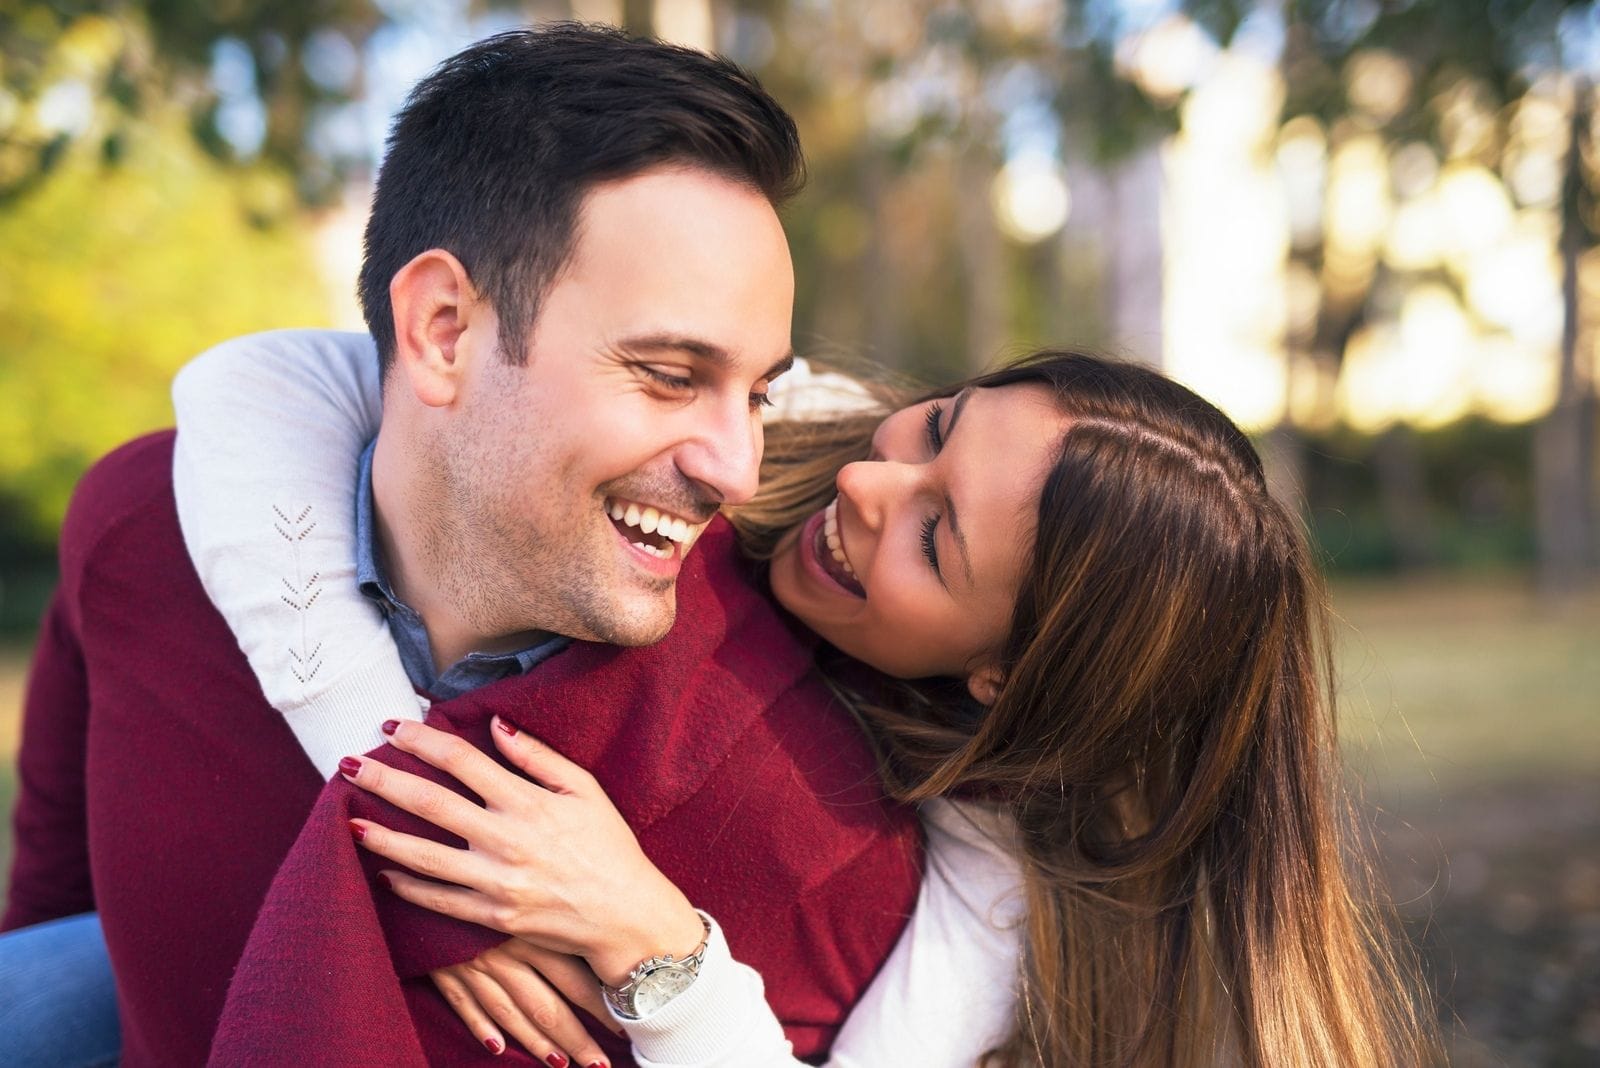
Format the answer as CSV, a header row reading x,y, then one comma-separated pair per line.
x,y
998,455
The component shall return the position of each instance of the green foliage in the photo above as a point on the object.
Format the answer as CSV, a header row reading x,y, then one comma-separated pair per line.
x,y
1478,498
113,278
141,58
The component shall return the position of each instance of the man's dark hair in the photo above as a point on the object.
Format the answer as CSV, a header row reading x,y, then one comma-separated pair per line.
x,y
493,152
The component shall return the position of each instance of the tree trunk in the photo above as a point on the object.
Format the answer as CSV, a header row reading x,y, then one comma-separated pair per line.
x,y
1563,442
1402,494
639,17
1283,449
1133,255
880,283
983,259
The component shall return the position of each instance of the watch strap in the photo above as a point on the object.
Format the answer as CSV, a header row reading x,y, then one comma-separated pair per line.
x,y
621,998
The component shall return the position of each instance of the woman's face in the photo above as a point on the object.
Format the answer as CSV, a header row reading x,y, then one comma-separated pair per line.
x,y
914,568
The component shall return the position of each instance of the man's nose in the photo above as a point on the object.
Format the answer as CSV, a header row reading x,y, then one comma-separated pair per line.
x,y
724,456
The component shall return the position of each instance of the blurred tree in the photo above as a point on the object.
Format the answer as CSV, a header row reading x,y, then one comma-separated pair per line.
x,y
1444,80
113,278
284,68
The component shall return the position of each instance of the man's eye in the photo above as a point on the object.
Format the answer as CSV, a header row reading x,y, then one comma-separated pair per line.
x,y
759,401
661,378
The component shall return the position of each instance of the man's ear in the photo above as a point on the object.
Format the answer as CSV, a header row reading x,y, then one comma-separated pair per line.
x,y
984,684
434,304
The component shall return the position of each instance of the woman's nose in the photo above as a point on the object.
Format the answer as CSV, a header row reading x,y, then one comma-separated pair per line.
x,y
871,487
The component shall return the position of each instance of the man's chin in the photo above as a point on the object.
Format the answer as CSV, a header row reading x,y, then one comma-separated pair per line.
x,y
644,621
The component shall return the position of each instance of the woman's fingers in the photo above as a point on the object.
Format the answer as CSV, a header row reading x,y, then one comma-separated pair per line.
x,y
432,802
465,1005
457,757
538,1012
538,761
424,856
463,904
571,976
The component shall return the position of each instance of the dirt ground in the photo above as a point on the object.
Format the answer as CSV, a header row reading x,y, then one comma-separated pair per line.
x,y
1472,715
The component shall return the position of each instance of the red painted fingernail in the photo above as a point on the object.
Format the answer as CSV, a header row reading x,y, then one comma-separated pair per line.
x,y
510,732
349,765
390,726
493,1044
383,878
556,1060
598,1064
359,831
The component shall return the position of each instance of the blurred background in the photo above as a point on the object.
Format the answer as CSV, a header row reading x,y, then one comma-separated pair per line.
x,y
1366,229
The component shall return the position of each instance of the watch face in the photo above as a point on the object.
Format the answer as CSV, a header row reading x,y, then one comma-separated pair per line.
x,y
660,987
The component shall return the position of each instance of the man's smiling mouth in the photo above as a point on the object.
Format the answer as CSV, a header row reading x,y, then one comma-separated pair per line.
x,y
651,530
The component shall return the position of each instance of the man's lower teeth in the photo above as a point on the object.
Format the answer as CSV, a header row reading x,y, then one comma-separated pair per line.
x,y
653,551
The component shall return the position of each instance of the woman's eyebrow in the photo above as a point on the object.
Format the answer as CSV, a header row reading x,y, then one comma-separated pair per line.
x,y
961,539
949,503
955,411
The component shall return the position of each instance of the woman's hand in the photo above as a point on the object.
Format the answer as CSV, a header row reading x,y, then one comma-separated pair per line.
x,y
548,860
524,990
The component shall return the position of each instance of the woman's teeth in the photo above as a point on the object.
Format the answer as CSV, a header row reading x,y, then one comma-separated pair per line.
x,y
830,532
674,530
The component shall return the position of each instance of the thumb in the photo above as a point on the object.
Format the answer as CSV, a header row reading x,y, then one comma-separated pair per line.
x,y
538,761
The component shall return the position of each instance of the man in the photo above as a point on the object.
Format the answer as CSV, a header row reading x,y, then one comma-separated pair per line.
x,y
579,290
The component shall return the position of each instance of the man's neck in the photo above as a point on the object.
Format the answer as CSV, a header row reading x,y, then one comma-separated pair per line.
x,y
451,636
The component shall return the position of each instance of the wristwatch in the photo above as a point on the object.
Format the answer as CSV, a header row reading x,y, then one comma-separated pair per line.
x,y
656,981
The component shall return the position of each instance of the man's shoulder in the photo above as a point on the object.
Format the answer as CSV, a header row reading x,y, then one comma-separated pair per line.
x,y
131,482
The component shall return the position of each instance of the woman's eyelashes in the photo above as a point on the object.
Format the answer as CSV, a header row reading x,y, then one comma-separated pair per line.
x,y
929,548
931,524
935,441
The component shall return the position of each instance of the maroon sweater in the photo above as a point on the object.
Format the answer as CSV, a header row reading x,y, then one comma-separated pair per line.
x,y
158,786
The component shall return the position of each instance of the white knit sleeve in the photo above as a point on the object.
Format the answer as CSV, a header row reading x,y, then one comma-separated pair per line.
x,y
944,997
270,432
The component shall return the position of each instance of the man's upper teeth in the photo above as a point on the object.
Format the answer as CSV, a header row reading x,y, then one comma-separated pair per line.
x,y
653,521
830,531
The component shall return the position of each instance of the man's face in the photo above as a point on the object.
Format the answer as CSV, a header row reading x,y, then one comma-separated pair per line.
x,y
641,390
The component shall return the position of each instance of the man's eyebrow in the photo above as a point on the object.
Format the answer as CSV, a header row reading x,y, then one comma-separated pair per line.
x,y
949,503
700,349
781,367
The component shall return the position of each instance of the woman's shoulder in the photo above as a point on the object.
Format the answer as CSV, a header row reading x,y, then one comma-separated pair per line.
x,y
807,391
973,858
983,824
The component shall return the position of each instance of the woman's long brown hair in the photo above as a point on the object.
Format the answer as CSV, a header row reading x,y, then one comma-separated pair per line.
x,y
1198,888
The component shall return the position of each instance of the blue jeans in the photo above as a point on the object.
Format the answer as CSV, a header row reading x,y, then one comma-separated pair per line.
x,y
58,1002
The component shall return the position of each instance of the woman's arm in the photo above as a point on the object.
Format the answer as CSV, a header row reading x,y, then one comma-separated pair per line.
x,y
550,861
271,428
945,996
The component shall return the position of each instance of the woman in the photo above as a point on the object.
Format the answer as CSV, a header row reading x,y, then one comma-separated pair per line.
x,y
1142,687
